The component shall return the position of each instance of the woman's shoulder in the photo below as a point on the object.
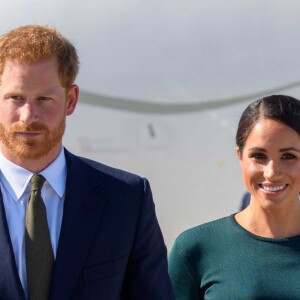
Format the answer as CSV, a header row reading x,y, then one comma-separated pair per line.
x,y
201,245
214,225
209,232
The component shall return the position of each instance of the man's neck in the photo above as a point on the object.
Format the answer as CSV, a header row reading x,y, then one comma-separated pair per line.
x,y
32,165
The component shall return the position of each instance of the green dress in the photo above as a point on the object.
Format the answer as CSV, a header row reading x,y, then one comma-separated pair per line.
x,y
221,260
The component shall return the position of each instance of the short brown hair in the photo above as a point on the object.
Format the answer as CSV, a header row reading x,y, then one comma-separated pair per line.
x,y
36,43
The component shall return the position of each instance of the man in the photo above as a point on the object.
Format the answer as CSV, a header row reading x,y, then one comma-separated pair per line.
x,y
104,238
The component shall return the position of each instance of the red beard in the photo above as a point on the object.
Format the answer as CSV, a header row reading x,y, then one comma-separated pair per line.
x,y
31,148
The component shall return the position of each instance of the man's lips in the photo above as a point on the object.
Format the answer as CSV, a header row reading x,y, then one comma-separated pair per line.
x,y
28,134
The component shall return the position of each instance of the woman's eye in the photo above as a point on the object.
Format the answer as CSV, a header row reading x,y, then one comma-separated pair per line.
x,y
288,156
258,156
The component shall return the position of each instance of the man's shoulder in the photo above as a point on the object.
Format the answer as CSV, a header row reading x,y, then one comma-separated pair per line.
x,y
100,169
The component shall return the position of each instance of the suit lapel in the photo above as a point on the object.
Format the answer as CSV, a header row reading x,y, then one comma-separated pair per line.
x,y
10,284
82,211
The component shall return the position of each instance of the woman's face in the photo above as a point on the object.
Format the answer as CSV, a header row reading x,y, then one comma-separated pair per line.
x,y
270,164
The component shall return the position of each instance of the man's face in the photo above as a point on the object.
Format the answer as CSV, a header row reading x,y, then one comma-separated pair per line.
x,y
33,110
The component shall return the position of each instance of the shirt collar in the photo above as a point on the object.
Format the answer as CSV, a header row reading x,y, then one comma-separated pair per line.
x,y
15,178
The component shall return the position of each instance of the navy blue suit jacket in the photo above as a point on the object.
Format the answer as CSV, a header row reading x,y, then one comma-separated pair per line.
x,y
110,245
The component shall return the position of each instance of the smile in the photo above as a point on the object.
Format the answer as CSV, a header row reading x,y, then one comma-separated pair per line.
x,y
272,188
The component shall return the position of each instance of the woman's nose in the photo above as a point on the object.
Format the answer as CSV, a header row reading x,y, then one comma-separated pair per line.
x,y
272,169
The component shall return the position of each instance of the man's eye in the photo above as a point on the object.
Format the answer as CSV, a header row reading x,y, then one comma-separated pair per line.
x,y
15,97
44,98
288,156
258,156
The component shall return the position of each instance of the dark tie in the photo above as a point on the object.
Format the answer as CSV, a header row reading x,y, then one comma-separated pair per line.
x,y
38,249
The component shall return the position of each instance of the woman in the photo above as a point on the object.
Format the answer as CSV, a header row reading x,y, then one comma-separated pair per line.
x,y
254,254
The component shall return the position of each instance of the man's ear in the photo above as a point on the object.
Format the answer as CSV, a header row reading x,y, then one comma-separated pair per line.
x,y
72,99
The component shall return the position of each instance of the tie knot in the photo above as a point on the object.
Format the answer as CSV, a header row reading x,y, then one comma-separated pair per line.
x,y
37,182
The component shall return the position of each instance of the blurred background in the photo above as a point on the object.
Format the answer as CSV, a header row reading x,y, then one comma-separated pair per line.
x,y
149,72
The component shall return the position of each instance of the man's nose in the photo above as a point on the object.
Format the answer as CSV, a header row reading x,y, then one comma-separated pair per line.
x,y
28,113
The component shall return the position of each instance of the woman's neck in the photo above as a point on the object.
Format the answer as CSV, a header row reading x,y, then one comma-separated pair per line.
x,y
268,223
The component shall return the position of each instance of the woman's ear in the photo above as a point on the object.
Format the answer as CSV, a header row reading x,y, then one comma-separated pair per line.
x,y
238,152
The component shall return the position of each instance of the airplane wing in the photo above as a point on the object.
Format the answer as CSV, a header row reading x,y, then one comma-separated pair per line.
x,y
142,106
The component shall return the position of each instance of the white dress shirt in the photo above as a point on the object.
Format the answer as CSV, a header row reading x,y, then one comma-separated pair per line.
x,y
15,189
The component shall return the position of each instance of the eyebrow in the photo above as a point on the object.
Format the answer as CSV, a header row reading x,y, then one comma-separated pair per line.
x,y
16,92
280,150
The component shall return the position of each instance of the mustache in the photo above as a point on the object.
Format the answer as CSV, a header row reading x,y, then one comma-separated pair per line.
x,y
33,127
